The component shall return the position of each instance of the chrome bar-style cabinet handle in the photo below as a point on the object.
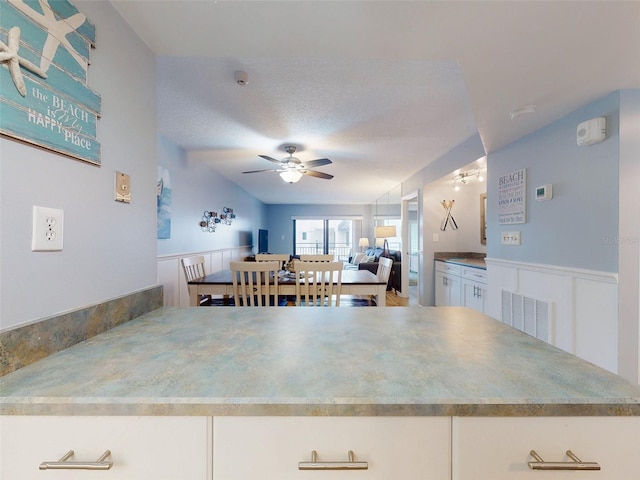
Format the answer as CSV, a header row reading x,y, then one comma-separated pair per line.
x,y
576,464
63,464
315,465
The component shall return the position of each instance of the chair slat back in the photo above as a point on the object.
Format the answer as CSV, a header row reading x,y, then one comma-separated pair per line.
x,y
193,267
317,258
384,269
282,258
317,281
255,284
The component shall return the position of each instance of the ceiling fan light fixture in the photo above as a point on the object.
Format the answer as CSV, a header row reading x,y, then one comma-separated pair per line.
x,y
290,176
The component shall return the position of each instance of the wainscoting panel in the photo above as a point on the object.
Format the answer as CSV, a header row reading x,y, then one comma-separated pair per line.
x,y
171,275
583,314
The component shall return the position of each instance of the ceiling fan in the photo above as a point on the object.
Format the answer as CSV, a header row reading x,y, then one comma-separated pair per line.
x,y
292,169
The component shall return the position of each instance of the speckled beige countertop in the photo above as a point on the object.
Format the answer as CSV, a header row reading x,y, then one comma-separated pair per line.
x,y
466,259
315,361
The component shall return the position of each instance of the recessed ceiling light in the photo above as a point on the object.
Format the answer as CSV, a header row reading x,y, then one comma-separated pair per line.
x,y
522,111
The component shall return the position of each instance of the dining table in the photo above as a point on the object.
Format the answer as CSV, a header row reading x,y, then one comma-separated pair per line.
x,y
354,282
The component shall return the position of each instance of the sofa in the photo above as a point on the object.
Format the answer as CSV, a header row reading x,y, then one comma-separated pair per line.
x,y
370,262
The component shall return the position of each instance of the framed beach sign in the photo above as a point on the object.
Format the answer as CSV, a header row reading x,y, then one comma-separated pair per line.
x,y
44,58
512,198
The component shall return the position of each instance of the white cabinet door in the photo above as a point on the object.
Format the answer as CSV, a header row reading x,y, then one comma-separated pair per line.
x,y
473,295
454,287
142,448
499,448
448,285
270,448
442,293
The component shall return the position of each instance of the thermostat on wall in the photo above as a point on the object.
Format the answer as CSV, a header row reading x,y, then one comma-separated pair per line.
x,y
545,192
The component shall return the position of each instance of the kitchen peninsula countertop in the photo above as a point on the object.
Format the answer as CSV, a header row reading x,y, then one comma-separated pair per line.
x,y
315,361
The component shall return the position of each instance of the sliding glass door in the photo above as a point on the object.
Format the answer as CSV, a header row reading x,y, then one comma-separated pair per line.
x,y
309,237
324,236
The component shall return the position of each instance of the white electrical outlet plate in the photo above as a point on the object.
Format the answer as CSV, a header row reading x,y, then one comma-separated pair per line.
x,y
510,238
47,229
436,237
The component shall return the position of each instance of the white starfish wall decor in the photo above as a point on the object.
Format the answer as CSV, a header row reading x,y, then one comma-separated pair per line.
x,y
9,55
57,31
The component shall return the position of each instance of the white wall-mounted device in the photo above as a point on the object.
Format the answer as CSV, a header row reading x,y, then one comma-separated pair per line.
x,y
544,192
592,131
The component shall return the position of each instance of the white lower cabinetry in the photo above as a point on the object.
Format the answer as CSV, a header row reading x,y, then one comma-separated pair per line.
x,y
448,290
474,288
499,448
271,448
142,448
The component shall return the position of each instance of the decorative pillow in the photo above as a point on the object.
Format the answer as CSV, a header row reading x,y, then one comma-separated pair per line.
x,y
358,257
370,259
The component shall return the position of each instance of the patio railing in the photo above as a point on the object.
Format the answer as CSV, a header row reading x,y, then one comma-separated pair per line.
x,y
341,251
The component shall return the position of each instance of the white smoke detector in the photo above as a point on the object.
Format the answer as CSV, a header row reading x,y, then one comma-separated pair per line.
x,y
242,78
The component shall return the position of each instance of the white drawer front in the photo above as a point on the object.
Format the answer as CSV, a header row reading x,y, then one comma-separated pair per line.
x,y
270,448
498,448
450,268
475,274
142,448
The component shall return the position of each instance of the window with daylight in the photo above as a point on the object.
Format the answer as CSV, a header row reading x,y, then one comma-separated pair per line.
x,y
394,242
335,236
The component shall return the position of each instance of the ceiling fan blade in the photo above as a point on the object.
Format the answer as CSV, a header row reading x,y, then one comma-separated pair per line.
x,y
258,171
317,163
313,173
266,157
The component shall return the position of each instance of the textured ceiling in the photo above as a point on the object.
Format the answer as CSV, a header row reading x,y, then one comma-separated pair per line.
x,y
382,88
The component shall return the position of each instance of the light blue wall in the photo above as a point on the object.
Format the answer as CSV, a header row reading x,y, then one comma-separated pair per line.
x,y
109,247
280,225
196,187
578,227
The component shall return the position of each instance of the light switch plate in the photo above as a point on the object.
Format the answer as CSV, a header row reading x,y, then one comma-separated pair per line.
x,y
47,229
510,238
123,187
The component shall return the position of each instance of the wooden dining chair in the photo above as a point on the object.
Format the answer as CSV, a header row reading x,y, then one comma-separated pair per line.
x,y
282,258
317,258
384,269
255,284
193,268
317,282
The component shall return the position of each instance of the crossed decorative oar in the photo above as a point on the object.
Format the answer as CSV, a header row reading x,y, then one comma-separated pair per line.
x,y
448,216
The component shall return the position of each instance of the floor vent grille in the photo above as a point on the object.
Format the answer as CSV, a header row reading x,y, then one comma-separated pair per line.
x,y
527,314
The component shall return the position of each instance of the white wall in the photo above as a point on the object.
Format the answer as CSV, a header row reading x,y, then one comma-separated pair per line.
x,y
466,212
629,234
464,154
196,187
109,247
